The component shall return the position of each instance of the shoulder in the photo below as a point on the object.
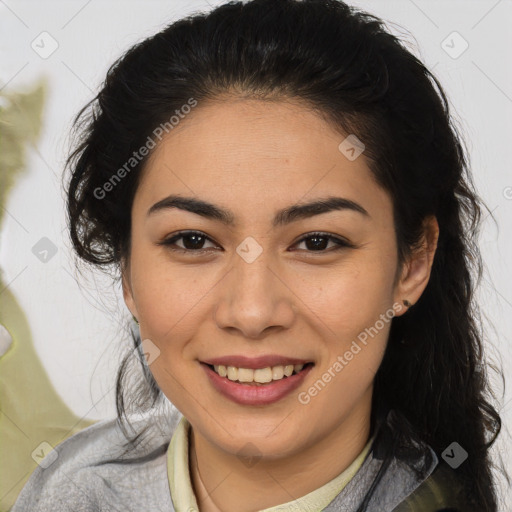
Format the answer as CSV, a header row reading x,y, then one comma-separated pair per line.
x,y
443,490
96,469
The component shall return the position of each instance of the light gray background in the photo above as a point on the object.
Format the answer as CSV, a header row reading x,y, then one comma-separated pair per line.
x,y
77,333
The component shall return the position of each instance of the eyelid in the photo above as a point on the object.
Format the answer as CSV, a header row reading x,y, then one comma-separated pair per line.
x,y
180,234
338,240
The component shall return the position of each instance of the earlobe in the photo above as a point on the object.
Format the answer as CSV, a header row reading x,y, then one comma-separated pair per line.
x,y
417,270
127,291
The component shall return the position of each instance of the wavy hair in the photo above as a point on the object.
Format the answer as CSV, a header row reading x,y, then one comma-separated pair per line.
x,y
345,64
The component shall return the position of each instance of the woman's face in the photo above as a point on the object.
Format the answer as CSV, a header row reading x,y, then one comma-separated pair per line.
x,y
257,285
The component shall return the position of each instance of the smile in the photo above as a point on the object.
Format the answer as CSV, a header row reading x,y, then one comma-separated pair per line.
x,y
260,386
258,376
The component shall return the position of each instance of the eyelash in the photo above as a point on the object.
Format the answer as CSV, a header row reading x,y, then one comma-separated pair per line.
x,y
341,243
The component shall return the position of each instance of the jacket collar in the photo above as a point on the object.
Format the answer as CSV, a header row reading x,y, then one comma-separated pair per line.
x,y
401,474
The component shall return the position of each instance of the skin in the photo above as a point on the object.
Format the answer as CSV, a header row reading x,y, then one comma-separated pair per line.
x,y
254,158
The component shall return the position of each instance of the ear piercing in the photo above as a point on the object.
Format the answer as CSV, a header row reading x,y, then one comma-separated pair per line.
x,y
407,304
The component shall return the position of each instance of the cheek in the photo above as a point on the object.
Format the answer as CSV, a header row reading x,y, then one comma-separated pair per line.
x,y
351,358
350,297
352,309
168,297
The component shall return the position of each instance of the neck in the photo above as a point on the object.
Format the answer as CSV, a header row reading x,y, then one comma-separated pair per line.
x,y
203,497
222,483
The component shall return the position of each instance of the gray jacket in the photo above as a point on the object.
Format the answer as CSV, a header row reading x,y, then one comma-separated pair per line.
x,y
90,474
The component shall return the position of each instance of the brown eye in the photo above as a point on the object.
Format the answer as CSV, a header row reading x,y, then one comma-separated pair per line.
x,y
193,241
318,242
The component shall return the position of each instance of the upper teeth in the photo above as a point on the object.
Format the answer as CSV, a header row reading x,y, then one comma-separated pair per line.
x,y
261,375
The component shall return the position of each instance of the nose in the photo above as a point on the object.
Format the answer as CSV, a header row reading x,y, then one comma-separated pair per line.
x,y
254,298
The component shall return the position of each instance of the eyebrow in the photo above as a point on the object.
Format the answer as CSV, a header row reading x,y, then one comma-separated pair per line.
x,y
283,217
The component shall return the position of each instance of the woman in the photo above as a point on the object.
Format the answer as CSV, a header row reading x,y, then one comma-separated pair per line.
x,y
288,206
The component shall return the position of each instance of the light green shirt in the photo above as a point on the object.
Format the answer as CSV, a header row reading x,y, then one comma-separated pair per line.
x,y
184,499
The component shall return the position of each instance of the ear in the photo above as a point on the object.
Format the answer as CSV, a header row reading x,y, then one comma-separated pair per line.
x,y
127,289
416,270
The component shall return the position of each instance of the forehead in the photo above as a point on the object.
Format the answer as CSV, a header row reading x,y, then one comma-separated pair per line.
x,y
258,154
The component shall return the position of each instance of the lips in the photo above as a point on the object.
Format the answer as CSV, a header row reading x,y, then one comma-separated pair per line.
x,y
254,363
256,394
